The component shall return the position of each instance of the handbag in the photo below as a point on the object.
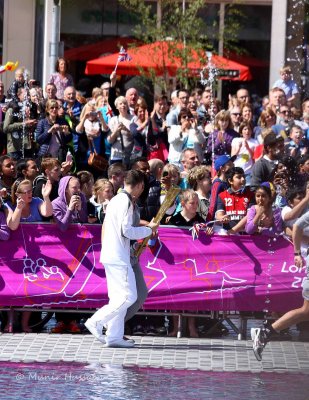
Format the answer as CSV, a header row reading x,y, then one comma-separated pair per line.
x,y
63,149
95,160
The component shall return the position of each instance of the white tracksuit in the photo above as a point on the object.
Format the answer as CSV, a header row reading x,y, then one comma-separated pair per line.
x,y
115,255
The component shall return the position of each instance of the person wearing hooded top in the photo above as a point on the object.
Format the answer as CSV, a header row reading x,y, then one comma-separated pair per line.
x,y
70,206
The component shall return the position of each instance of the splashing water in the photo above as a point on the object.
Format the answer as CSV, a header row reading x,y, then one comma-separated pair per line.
x,y
208,79
293,27
24,109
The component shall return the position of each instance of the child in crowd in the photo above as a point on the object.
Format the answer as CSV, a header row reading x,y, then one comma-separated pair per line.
x,y
102,193
170,177
26,168
200,181
189,215
50,170
262,218
7,175
70,206
297,146
93,121
18,83
222,165
303,166
233,203
287,83
86,180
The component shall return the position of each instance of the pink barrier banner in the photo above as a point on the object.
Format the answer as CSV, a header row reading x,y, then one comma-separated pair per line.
x,y
43,267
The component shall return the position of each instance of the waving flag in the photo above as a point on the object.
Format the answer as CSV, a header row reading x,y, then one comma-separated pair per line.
x,y
123,56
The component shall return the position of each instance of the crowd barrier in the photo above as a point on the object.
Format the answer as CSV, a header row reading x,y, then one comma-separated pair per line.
x,y
43,267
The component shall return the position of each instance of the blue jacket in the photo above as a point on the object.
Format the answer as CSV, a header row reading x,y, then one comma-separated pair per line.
x,y
43,138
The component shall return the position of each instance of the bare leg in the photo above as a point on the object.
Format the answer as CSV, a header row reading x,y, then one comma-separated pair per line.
x,y
25,321
192,327
292,317
173,333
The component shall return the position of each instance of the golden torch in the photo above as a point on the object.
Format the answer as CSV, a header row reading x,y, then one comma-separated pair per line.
x,y
168,201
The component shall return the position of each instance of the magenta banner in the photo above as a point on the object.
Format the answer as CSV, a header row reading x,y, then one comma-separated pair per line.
x,y
43,267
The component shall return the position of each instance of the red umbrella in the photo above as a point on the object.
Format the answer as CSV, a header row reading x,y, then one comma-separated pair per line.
x,y
156,57
97,49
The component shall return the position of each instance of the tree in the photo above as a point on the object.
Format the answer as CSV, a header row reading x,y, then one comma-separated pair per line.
x,y
180,29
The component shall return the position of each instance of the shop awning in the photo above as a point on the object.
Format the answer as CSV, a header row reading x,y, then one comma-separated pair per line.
x,y
156,57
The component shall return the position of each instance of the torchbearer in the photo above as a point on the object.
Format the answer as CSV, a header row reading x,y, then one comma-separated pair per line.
x,y
117,231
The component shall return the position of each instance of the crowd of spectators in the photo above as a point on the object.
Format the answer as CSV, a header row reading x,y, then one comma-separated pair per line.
x,y
245,170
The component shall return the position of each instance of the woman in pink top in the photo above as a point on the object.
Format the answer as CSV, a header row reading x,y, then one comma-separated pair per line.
x,y
61,79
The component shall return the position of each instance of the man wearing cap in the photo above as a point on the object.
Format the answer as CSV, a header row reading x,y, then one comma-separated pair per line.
x,y
222,165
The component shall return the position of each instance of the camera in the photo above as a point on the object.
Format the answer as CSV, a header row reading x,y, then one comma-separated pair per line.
x,y
34,83
93,114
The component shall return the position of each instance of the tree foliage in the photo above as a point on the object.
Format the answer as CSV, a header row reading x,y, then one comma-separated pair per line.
x,y
177,25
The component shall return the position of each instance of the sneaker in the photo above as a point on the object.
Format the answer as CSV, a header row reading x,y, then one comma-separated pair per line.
x,y
259,342
121,343
151,330
162,330
129,340
138,330
93,328
73,327
61,327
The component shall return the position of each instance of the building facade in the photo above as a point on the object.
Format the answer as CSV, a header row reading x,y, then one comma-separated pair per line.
x,y
272,31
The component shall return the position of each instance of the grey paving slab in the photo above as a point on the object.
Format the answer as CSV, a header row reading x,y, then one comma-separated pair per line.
x,y
158,352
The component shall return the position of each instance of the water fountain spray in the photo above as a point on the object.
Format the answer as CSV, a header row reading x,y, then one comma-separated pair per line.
x,y
24,109
208,77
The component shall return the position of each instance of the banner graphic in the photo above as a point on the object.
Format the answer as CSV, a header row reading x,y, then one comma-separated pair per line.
x,y
43,267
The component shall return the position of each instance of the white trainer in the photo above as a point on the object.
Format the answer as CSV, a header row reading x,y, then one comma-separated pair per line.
x,y
258,342
121,343
93,328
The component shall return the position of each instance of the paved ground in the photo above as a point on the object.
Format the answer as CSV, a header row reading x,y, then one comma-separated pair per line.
x,y
158,352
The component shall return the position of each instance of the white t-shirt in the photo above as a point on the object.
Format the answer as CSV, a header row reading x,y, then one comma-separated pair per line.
x,y
92,128
244,159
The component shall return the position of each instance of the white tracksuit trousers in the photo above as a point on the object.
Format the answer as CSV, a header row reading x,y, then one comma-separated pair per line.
x,y
121,288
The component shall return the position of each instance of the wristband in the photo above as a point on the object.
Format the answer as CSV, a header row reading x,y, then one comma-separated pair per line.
x,y
297,253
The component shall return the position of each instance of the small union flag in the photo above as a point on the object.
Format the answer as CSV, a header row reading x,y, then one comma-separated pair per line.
x,y
123,55
109,111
